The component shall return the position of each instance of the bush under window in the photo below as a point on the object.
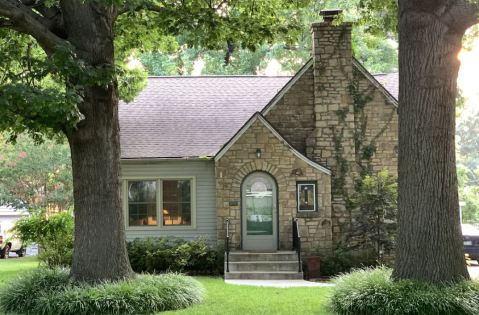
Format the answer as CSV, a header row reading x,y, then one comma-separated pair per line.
x,y
160,254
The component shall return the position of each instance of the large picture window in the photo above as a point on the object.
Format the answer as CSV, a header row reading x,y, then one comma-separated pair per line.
x,y
307,196
160,203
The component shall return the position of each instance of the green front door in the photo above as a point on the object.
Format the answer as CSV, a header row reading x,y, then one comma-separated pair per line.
x,y
259,213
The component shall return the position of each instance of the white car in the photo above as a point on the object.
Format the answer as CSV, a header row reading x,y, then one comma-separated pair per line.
x,y
8,245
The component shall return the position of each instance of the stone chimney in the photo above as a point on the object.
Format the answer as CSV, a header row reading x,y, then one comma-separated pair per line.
x,y
333,105
333,72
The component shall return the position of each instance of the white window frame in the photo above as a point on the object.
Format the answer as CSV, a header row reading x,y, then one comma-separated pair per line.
x,y
315,194
159,203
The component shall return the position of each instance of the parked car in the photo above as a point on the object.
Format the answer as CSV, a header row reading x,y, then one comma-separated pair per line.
x,y
470,237
7,244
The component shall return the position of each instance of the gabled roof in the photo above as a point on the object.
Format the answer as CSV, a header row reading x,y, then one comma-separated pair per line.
x,y
388,84
264,121
176,117
193,116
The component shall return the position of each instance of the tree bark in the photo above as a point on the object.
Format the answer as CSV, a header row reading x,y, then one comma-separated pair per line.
x,y
100,248
429,241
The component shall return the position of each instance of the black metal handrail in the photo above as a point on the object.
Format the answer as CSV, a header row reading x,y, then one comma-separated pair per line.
x,y
297,242
227,245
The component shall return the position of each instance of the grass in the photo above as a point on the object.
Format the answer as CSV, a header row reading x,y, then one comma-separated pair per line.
x,y
10,268
222,298
228,299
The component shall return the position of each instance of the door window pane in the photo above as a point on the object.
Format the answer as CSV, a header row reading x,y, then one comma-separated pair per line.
x,y
142,203
259,206
176,202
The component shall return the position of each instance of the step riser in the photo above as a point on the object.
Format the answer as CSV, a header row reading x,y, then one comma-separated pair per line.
x,y
272,266
263,276
263,257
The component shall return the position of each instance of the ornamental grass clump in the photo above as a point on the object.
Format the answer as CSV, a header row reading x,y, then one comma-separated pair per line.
x,y
371,291
52,291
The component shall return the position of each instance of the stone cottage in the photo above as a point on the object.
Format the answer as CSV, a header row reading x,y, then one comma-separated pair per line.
x,y
259,151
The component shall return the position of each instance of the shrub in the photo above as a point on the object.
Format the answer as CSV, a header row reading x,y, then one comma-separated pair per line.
x,y
52,291
158,254
342,259
54,235
372,291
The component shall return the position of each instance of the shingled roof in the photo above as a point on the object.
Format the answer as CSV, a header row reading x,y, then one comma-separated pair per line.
x,y
192,116
390,81
187,116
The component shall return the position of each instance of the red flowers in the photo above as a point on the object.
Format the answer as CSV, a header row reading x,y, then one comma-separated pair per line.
x,y
22,154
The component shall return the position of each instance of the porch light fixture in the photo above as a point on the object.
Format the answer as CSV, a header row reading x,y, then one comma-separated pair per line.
x,y
258,153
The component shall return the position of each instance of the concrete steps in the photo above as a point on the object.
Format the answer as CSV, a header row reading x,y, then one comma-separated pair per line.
x,y
280,265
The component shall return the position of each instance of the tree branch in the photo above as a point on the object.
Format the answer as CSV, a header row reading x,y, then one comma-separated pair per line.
x,y
461,15
157,8
31,23
11,25
154,8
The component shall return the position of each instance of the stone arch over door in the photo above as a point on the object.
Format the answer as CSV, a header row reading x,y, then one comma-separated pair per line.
x,y
258,165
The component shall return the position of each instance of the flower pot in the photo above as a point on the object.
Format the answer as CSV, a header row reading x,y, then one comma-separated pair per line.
x,y
314,267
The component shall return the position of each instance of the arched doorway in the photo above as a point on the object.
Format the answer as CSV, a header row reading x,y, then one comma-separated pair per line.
x,y
259,212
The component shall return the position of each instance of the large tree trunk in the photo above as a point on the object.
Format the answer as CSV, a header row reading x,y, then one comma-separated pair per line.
x,y
99,249
429,241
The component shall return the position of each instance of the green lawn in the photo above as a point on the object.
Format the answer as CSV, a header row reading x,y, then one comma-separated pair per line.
x,y
221,298
10,268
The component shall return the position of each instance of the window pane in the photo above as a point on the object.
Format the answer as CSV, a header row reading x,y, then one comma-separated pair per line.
x,y
176,191
142,214
306,197
144,191
176,214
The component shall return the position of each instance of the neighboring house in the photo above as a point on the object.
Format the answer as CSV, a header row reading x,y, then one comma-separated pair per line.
x,y
256,150
9,215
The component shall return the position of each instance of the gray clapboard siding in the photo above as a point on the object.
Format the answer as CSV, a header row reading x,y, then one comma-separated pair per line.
x,y
205,194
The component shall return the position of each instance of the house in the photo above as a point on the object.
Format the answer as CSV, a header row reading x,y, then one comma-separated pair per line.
x,y
257,150
9,215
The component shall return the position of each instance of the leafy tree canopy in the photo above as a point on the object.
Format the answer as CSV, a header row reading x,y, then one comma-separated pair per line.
x,y
291,52
35,176
43,76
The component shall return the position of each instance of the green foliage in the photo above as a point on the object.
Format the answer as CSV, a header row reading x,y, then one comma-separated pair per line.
x,y
469,193
379,16
159,254
35,176
375,52
373,224
342,259
53,234
468,140
39,93
52,291
372,291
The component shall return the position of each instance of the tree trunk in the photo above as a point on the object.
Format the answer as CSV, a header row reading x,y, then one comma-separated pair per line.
x,y
429,241
100,248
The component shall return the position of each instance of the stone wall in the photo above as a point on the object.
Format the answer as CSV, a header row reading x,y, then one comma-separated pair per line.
x,y
336,117
293,114
277,160
333,71
381,128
